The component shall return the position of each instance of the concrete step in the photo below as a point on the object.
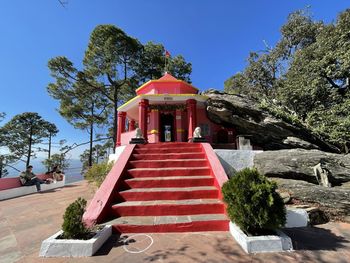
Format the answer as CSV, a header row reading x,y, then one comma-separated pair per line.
x,y
168,163
168,150
168,207
173,193
156,156
172,171
162,224
168,145
170,181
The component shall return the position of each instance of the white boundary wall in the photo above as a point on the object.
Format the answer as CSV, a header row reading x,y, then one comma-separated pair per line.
x,y
236,160
26,190
115,156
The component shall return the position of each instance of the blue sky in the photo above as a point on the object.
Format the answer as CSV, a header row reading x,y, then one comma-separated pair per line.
x,y
215,36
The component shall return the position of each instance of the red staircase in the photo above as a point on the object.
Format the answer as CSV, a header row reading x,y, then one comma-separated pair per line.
x,y
167,187
163,187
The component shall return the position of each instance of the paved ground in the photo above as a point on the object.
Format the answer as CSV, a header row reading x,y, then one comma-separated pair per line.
x,y
26,221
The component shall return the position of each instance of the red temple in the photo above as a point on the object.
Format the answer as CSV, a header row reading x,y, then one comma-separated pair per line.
x,y
168,110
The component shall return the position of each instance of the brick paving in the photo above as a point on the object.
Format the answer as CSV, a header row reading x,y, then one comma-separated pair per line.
x,y
26,221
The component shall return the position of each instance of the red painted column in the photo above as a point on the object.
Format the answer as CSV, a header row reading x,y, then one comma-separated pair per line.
x,y
131,125
143,108
191,116
179,129
121,126
154,125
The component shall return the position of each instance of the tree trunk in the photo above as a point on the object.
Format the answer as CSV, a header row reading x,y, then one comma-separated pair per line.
x,y
30,145
91,140
97,153
49,154
91,135
1,166
115,117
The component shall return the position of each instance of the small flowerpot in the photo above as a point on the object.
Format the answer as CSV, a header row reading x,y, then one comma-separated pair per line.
x,y
53,247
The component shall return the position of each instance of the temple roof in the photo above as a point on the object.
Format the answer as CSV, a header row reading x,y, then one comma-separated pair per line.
x,y
165,90
167,77
167,84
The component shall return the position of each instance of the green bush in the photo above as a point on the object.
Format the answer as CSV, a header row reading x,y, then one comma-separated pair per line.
x,y
73,226
252,202
98,172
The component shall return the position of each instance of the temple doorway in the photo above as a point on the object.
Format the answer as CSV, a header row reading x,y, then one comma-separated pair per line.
x,y
222,136
167,127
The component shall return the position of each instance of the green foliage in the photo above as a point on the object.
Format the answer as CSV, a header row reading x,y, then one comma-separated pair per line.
x,y
280,112
252,202
151,64
99,152
56,159
236,84
114,65
73,226
22,132
98,172
308,72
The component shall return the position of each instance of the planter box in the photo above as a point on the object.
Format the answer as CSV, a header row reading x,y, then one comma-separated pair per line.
x,y
258,244
53,247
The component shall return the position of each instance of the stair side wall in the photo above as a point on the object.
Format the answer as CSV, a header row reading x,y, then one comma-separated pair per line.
x,y
99,207
216,168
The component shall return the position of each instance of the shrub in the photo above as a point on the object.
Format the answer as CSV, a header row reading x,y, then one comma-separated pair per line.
x,y
252,202
73,226
98,172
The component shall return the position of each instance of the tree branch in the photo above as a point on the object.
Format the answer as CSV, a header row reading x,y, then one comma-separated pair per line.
x,y
74,145
331,82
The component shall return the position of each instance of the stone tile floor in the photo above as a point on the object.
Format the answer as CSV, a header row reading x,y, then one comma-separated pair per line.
x,y
26,221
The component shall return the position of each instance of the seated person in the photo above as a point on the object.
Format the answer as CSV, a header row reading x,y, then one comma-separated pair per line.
x,y
28,178
57,173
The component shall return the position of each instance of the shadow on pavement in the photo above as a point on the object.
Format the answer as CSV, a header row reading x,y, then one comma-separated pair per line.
x,y
221,250
113,242
314,238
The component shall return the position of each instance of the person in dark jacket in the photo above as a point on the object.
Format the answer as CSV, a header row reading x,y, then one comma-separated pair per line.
x,y
28,178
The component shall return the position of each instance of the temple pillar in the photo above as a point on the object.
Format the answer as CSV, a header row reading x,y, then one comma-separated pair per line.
x,y
191,117
154,125
179,128
120,126
131,125
143,108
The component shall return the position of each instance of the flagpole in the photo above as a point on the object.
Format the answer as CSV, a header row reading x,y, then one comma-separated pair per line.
x,y
164,63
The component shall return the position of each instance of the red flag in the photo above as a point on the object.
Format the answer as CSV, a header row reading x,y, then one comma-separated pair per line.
x,y
167,53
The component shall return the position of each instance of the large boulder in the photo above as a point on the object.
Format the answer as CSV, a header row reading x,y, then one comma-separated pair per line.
x,y
298,164
293,171
265,130
335,201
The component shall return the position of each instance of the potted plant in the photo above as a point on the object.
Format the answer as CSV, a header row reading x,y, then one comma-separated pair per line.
x,y
75,239
256,212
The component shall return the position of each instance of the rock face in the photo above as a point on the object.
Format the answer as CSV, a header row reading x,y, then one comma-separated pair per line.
x,y
266,131
298,164
335,200
291,152
293,172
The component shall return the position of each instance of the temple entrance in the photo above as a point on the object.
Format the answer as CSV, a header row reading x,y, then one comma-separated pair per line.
x,y
222,136
167,127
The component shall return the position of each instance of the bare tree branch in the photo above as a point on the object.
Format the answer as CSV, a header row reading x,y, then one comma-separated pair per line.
x,y
63,3
74,145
